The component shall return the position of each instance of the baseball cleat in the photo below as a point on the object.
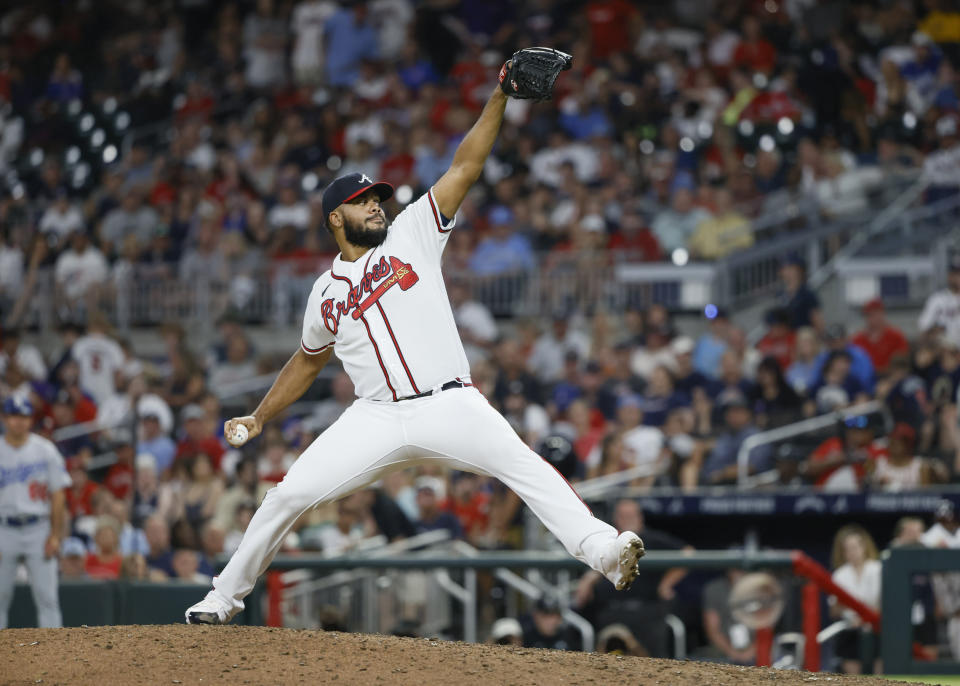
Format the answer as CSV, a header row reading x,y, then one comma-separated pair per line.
x,y
208,611
628,549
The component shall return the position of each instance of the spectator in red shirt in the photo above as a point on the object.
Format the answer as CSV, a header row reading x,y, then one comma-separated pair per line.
x,y
754,52
780,339
398,164
589,427
635,241
119,479
840,463
80,494
105,563
470,505
610,26
199,436
879,338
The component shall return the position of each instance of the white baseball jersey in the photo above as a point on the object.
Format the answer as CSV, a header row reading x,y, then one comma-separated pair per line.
x,y
28,475
371,311
99,358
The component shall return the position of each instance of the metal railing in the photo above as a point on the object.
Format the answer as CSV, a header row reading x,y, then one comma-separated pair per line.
x,y
368,570
275,294
806,426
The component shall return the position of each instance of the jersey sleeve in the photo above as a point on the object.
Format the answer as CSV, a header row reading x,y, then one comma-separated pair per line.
x,y
59,477
421,221
317,335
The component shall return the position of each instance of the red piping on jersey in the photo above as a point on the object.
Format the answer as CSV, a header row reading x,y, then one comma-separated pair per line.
x,y
436,215
313,351
564,481
397,346
370,336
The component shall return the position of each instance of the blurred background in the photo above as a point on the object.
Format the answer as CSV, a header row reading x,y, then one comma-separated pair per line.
x,y
715,281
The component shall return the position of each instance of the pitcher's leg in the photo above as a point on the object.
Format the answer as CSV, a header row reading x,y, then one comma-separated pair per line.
x,y
462,425
43,579
354,451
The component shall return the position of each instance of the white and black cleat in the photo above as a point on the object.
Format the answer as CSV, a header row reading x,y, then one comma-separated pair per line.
x,y
208,611
203,618
628,550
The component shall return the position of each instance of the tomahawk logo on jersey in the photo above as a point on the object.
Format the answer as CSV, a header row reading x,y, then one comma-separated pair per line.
x,y
369,311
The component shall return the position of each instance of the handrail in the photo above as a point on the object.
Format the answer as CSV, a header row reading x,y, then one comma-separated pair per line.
x,y
597,486
65,433
879,223
705,559
829,632
679,631
534,592
242,386
796,429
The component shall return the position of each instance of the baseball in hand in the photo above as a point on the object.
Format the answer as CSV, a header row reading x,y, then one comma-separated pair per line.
x,y
239,436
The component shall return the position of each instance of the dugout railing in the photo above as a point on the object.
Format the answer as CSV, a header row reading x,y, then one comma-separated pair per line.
x,y
816,581
128,602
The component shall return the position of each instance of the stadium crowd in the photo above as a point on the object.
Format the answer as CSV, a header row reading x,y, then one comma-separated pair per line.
x,y
594,399
678,126
192,143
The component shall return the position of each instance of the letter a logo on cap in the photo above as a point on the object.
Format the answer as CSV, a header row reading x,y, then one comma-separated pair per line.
x,y
365,179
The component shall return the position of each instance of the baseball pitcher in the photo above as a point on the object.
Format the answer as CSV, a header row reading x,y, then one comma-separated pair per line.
x,y
32,510
383,308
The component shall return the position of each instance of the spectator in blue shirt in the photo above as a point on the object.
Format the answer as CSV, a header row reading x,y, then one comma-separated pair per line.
x,y
502,251
350,39
568,388
660,398
860,364
154,442
433,160
432,518
920,73
66,83
587,121
720,467
711,346
415,69
800,373
687,377
802,304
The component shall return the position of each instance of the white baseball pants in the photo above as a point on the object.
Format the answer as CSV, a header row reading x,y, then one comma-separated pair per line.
x,y
457,427
26,543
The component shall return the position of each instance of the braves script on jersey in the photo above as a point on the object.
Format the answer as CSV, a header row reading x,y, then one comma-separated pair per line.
x,y
372,310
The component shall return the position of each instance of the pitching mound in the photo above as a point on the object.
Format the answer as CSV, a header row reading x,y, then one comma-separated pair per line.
x,y
180,654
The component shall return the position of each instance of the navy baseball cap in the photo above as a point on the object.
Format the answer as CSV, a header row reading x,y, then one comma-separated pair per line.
x,y
18,405
345,188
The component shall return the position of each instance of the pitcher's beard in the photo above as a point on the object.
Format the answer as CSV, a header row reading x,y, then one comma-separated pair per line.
x,y
363,237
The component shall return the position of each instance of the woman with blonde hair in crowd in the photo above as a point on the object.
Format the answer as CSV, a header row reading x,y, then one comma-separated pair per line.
x,y
857,570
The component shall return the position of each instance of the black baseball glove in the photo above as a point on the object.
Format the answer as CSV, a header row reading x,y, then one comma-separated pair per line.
x,y
531,72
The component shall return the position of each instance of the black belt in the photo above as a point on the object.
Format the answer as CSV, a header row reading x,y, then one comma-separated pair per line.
x,y
26,520
456,383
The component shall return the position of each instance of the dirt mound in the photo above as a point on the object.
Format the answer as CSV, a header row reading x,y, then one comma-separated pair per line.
x,y
196,655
